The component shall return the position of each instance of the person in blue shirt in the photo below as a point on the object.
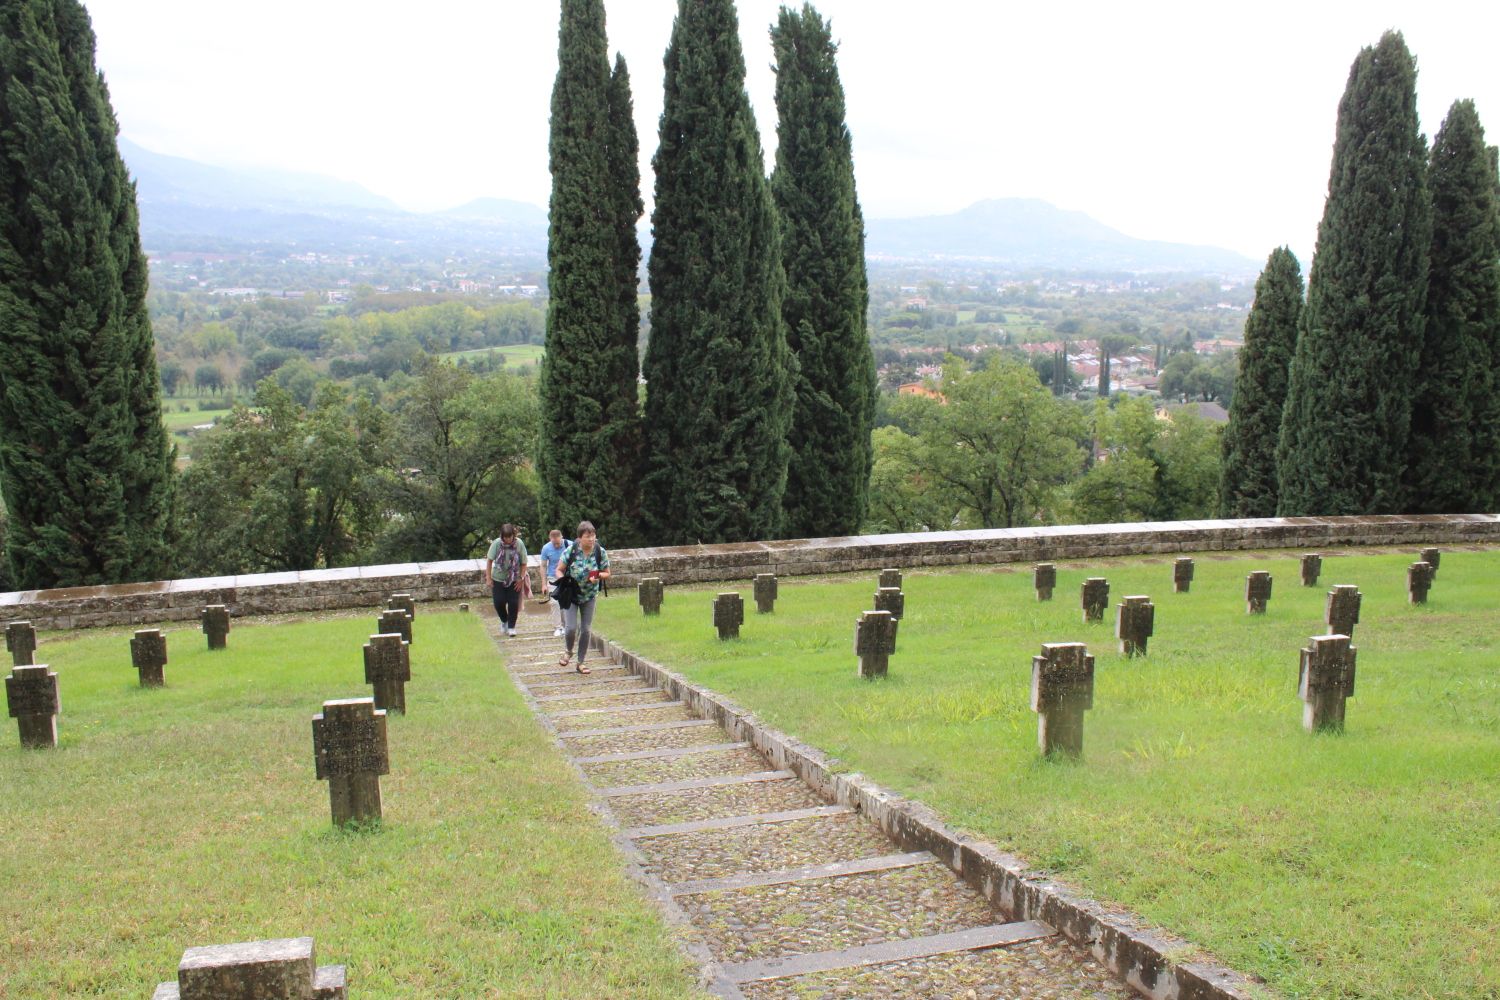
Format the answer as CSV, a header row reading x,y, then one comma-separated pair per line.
x,y
552,554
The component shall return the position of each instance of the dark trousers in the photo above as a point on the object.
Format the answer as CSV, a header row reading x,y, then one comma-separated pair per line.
x,y
507,603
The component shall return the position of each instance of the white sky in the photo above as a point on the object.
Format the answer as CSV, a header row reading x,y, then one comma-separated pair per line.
x,y
1193,122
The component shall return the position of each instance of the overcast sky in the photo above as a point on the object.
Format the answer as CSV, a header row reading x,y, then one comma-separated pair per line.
x,y
1192,122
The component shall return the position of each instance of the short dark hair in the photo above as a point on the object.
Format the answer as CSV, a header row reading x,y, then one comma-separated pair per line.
x,y
586,528
507,530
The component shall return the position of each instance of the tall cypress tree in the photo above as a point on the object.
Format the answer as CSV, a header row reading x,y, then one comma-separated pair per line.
x,y
1348,411
590,413
626,431
1454,451
823,252
85,463
1247,478
719,375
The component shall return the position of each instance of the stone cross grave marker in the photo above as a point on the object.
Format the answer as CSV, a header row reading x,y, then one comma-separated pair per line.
x,y
148,654
349,750
1044,579
1312,568
875,642
729,615
215,622
1135,620
1419,581
32,698
1325,680
649,592
1257,592
1182,576
402,602
1433,556
1095,598
394,621
387,669
890,578
255,970
891,599
20,639
765,593
1342,610
1062,689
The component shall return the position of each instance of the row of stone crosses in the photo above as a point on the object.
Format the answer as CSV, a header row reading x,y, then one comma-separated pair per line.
x,y
1062,683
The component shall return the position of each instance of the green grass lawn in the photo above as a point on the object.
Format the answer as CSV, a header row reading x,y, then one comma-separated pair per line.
x,y
177,420
517,356
1364,865
190,816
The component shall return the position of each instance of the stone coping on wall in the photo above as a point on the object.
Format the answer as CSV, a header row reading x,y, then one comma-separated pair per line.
x,y
1148,959
369,586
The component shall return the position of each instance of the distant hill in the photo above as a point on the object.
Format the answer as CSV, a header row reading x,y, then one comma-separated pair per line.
x,y
1028,232
191,206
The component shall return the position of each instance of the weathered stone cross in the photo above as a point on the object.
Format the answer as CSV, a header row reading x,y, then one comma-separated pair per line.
x,y
32,698
1062,689
1044,579
1135,620
1257,592
891,599
403,602
349,750
649,592
387,669
729,615
20,639
255,970
1095,598
890,578
1325,680
875,642
765,593
1182,576
1312,568
148,654
1342,610
1419,577
215,622
395,621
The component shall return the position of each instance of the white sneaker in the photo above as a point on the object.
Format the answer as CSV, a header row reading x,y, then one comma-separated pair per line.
x,y
511,632
557,633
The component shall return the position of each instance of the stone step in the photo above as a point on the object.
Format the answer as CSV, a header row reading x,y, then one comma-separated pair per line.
x,y
607,701
611,758
804,874
640,688
691,783
745,850
733,822
681,767
580,712
557,671
577,682
991,936
649,727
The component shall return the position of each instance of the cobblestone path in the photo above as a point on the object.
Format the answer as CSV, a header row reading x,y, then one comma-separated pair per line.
x,y
792,898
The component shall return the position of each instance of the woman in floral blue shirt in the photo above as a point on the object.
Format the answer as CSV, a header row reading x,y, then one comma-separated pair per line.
x,y
588,564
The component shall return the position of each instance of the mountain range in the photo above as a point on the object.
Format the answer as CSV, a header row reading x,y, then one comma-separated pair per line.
x,y
190,206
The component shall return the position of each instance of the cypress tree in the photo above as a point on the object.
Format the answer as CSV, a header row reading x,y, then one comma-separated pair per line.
x,y
590,415
624,415
719,375
85,463
1454,451
1247,478
1348,412
827,295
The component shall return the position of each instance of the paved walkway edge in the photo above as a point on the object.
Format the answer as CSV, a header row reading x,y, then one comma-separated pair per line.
x,y
1129,947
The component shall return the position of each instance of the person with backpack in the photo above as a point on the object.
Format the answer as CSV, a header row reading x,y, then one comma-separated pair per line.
x,y
587,565
505,571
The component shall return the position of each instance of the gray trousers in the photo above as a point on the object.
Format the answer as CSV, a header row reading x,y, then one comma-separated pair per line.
x,y
577,621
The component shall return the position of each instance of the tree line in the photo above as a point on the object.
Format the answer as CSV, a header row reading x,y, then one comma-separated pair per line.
x,y
1377,392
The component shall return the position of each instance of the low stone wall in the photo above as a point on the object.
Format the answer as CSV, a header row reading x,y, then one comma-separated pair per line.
x,y
368,586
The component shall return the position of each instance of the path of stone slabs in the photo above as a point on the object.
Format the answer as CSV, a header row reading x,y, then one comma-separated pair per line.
x,y
793,897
